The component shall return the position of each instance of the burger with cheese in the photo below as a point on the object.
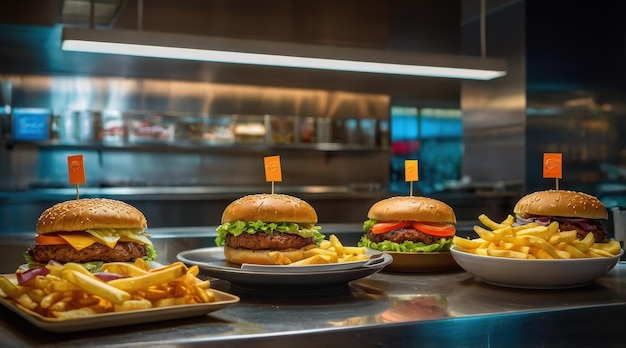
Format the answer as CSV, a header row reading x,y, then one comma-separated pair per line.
x,y
409,224
255,225
91,232
572,210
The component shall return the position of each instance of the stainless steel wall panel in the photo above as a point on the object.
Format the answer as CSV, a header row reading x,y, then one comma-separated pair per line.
x,y
494,113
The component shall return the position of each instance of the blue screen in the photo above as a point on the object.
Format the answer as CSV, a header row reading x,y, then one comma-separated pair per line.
x,y
31,124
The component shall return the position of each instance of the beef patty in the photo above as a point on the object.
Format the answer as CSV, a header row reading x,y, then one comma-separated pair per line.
x,y
402,235
123,251
273,241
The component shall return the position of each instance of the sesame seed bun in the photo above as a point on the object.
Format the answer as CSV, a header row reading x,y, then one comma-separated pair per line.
x,y
561,203
89,213
270,208
412,208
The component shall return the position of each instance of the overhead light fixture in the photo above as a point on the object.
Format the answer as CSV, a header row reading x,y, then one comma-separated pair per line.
x,y
236,51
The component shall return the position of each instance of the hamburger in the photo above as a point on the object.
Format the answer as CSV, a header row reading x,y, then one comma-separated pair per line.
x,y
91,232
409,224
255,225
572,210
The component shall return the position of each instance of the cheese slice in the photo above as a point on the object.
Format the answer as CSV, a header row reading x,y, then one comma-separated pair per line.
x,y
128,236
110,237
78,241
106,237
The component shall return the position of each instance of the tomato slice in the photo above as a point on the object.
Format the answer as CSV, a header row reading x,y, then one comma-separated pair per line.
x,y
382,227
438,229
49,239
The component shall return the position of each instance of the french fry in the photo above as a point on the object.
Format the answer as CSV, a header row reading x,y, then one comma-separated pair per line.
x,y
353,257
313,260
575,252
467,243
78,269
584,244
96,287
161,275
75,313
331,255
50,298
142,264
335,243
132,305
484,233
124,268
26,301
279,258
612,247
523,227
489,223
538,231
507,253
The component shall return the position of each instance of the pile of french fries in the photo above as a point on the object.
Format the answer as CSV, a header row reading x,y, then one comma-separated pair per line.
x,y
69,291
329,251
532,241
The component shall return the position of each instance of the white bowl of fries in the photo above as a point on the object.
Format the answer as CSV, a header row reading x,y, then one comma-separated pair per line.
x,y
535,273
534,255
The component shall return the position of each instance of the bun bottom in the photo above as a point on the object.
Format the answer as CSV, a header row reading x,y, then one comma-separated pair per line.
x,y
260,257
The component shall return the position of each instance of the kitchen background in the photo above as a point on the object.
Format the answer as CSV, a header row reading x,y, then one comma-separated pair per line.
x,y
180,140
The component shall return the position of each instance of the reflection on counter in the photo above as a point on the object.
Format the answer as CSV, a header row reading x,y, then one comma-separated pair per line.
x,y
402,308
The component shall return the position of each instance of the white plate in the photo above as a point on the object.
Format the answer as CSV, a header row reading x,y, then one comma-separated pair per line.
x,y
105,320
213,263
535,274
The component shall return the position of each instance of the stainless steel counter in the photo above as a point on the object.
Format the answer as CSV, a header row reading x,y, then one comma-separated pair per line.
x,y
385,309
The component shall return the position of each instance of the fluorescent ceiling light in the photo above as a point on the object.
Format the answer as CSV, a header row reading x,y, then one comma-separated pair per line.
x,y
232,51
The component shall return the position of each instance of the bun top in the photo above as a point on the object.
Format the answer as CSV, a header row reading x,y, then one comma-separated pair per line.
x,y
89,213
561,203
270,208
411,208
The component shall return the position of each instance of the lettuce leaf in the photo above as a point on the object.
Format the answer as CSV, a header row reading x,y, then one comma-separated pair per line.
x,y
93,266
238,227
367,225
443,244
151,253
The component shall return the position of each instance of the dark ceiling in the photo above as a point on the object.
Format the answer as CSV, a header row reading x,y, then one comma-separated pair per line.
x,y
32,45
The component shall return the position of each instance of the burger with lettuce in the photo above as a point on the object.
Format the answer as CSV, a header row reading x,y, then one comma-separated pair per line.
x,y
409,224
255,225
91,231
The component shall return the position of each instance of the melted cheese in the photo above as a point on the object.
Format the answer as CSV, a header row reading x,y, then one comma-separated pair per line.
x,y
106,237
78,241
110,237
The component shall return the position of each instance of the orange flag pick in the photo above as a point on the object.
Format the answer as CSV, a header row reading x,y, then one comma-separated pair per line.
x,y
410,170
76,169
272,170
553,166
411,173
